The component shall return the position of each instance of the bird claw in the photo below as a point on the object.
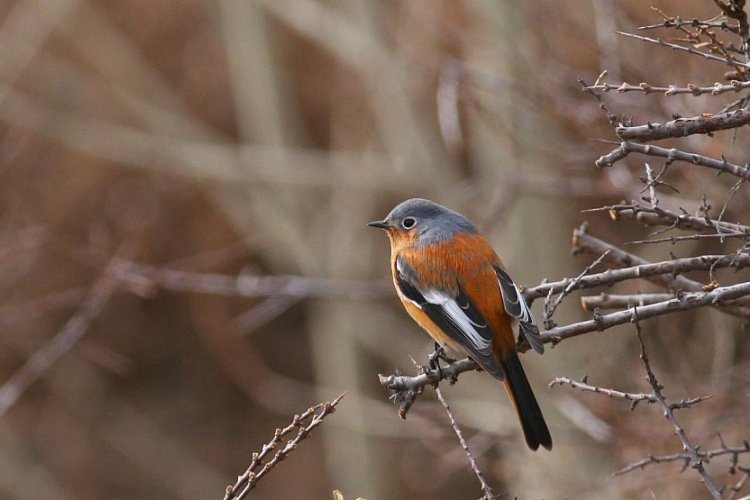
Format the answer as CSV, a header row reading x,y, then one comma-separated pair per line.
x,y
435,357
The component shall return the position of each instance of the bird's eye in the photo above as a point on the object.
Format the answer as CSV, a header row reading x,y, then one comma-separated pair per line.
x,y
408,222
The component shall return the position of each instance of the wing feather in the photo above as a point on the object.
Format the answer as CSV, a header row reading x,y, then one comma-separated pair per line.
x,y
516,306
454,314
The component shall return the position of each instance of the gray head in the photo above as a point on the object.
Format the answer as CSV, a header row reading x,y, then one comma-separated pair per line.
x,y
424,221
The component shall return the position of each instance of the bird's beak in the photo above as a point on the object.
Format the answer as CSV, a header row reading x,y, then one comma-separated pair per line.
x,y
380,224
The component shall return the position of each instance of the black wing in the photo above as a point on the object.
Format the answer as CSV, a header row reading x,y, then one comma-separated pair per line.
x,y
455,315
516,307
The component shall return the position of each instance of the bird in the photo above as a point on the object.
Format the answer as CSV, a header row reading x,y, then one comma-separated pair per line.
x,y
454,286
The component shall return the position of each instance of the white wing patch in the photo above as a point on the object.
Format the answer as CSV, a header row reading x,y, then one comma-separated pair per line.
x,y
459,318
525,316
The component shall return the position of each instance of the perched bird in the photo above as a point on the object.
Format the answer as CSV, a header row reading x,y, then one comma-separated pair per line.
x,y
453,284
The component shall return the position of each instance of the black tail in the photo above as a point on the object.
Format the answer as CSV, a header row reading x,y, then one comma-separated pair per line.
x,y
534,428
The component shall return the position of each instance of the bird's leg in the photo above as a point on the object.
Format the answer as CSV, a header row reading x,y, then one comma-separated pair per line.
x,y
434,358
438,354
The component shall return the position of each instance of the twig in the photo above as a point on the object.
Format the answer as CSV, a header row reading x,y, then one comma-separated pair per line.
x,y
672,268
683,303
690,237
247,285
683,127
690,50
585,242
634,398
671,90
677,22
488,493
572,285
405,389
68,336
695,460
706,456
612,301
651,186
673,154
251,476
735,9
657,216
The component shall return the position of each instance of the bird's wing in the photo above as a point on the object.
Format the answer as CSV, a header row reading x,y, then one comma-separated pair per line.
x,y
517,308
454,314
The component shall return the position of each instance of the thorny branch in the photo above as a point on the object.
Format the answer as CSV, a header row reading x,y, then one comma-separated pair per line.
x,y
405,389
672,154
695,460
683,127
303,425
486,489
683,303
634,398
670,90
690,50
685,457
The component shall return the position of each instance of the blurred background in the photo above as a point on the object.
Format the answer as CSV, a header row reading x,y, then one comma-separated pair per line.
x,y
211,141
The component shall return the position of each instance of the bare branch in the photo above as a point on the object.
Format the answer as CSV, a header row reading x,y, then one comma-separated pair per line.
x,y
735,9
690,50
610,301
677,22
683,303
683,127
572,285
671,90
405,389
488,493
248,480
247,285
673,154
634,398
706,456
657,216
68,336
695,460
646,270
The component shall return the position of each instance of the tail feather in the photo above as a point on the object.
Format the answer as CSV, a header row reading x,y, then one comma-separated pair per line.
x,y
534,427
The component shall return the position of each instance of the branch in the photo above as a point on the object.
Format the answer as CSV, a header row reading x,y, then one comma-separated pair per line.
x,y
677,22
690,50
706,456
68,336
627,147
634,398
251,476
683,127
247,285
657,216
735,9
647,270
488,494
670,90
682,303
572,285
405,389
695,460
611,301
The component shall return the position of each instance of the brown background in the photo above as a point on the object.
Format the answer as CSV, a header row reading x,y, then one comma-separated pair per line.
x,y
258,137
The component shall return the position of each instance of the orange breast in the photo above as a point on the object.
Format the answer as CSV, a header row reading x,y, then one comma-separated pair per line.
x,y
465,261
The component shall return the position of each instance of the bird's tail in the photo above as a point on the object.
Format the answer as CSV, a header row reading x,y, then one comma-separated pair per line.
x,y
534,427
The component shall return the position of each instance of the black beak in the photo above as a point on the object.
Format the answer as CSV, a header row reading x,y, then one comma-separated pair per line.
x,y
380,224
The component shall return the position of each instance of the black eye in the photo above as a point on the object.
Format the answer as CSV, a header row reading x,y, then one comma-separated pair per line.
x,y
408,222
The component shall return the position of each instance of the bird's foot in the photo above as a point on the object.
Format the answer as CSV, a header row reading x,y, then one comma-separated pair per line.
x,y
435,357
